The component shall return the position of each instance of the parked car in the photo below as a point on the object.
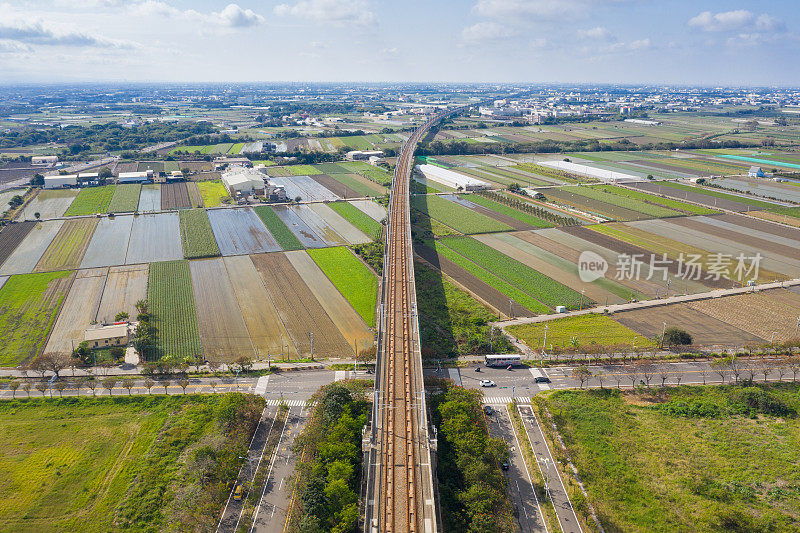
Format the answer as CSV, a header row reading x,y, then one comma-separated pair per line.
x,y
541,379
488,409
237,493
487,383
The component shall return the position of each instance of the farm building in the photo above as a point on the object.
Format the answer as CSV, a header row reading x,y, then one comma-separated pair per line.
x,y
44,160
104,336
59,182
451,179
755,172
88,176
243,181
134,177
585,170
363,155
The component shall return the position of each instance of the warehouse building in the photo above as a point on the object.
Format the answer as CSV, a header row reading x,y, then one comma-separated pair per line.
x,y
242,181
363,155
134,177
449,178
44,160
60,182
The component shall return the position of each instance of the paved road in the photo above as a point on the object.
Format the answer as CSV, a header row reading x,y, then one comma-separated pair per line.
x,y
546,464
232,513
527,509
270,514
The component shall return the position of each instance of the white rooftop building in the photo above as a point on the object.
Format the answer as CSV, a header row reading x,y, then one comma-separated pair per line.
x,y
57,182
242,180
451,179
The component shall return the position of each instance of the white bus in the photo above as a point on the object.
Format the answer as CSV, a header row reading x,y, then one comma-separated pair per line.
x,y
502,360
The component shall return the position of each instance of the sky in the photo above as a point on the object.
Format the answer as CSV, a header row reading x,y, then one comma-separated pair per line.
x,y
679,42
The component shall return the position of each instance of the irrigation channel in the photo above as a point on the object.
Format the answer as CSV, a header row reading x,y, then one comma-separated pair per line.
x,y
401,449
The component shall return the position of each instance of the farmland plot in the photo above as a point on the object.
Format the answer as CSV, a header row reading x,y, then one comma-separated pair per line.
x,y
109,244
359,184
318,225
126,198
259,313
286,239
358,218
375,210
30,250
456,216
340,225
336,187
302,314
298,227
223,333
306,188
28,306
196,235
150,198
78,312
175,196
212,192
125,286
171,301
350,323
154,237
49,204
11,236
241,232
91,200
195,196
68,246
353,278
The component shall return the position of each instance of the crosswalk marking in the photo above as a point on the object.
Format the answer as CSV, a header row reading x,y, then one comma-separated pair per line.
x,y
502,400
261,385
290,403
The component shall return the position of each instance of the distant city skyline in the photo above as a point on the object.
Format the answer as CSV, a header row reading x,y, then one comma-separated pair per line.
x,y
531,41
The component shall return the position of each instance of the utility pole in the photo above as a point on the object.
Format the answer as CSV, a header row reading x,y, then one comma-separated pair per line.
x,y
510,308
355,351
582,291
282,358
663,332
544,344
796,327
312,345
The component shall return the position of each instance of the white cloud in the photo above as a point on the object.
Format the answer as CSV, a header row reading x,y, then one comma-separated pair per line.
x,y
735,20
597,33
514,9
356,12
632,46
232,16
389,52
40,32
235,17
486,31
8,47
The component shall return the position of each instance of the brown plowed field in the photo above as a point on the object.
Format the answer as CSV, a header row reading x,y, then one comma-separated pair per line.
x,y
11,236
299,310
175,196
761,225
705,330
195,198
759,313
125,286
335,186
223,334
622,247
78,312
776,217
489,295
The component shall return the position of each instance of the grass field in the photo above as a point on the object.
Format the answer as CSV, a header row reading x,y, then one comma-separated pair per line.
x,y
358,218
91,200
353,279
509,211
653,199
458,217
69,245
304,170
713,458
171,300
125,198
110,464
29,305
196,234
544,289
277,228
583,330
212,192
608,195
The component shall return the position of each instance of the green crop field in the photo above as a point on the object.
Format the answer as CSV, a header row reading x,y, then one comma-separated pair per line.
x,y
29,304
212,192
583,330
91,200
304,170
236,148
125,199
279,230
141,463
458,217
519,296
689,458
358,218
509,211
607,195
196,234
171,301
653,199
353,279
544,289
370,188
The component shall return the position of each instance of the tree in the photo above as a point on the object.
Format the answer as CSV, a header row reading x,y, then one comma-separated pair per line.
x,y
793,364
183,384
60,386
674,336
647,374
582,374
765,368
106,173
148,384
244,363
109,384
601,376
79,383
92,384
117,352
14,385
83,353
122,316
166,383
128,383
720,366
27,388
37,180
41,386
37,215
663,373
213,385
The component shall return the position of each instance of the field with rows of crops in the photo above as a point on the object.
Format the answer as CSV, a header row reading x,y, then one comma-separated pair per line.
x,y
91,200
196,234
171,301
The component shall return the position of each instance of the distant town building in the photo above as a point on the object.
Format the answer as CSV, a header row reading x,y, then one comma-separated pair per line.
x,y
755,172
643,122
44,160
